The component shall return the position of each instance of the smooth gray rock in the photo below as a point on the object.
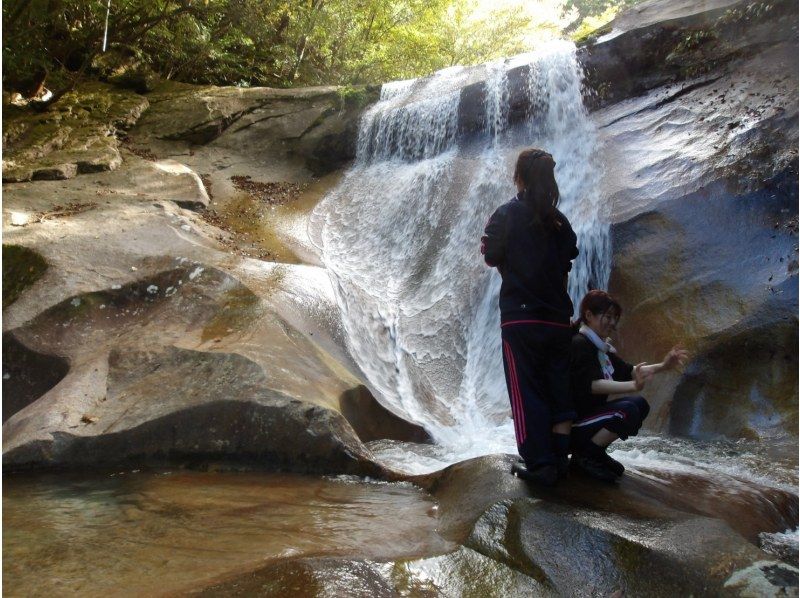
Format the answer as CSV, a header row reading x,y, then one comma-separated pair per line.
x,y
701,178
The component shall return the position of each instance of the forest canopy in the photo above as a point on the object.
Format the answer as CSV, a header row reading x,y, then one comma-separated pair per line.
x,y
280,43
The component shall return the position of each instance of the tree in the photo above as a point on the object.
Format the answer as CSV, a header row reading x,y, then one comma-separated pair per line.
x,y
274,42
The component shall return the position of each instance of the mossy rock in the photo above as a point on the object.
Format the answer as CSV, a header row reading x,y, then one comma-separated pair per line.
x,y
141,80
21,268
358,96
76,135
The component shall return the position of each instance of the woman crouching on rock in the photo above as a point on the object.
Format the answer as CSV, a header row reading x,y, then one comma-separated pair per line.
x,y
597,372
532,244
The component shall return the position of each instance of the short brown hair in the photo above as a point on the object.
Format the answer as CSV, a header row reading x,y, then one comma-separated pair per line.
x,y
599,302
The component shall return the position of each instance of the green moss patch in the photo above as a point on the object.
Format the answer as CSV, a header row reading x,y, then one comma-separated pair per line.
x,y
21,268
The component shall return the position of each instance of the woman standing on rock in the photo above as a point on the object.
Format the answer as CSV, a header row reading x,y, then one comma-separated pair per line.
x,y
596,372
532,245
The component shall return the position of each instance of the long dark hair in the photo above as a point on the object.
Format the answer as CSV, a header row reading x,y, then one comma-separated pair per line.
x,y
535,169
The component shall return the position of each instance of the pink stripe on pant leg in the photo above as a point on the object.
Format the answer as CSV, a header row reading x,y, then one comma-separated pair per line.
x,y
519,398
516,395
515,384
515,415
514,410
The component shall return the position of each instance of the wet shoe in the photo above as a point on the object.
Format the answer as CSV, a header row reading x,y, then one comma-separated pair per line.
x,y
613,465
561,446
543,475
593,467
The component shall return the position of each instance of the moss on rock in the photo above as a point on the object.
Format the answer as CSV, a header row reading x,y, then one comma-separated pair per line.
x,y
21,268
77,134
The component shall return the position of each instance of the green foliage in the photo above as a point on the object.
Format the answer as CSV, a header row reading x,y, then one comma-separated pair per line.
x,y
354,96
756,11
587,16
693,40
278,42
594,26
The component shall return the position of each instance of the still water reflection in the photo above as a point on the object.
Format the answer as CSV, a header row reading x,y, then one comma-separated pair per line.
x,y
150,533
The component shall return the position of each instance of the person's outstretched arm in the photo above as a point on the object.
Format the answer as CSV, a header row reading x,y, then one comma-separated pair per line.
x,y
639,378
676,356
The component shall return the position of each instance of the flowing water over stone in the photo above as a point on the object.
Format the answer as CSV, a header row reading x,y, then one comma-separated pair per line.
x,y
400,236
140,534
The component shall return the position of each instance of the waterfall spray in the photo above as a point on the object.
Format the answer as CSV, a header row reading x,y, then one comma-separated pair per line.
x,y
400,238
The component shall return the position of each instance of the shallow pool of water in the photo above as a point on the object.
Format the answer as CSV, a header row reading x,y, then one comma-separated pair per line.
x,y
146,533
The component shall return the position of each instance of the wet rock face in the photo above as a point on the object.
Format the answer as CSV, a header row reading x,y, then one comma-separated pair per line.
x,y
584,553
650,534
306,578
764,579
716,271
701,176
160,346
646,536
656,43
744,384
463,572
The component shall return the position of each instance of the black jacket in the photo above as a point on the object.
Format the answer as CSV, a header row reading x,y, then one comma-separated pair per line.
x,y
533,261
585,368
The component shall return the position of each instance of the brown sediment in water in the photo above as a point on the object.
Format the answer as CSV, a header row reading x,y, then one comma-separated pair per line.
x,y
152,533
256,213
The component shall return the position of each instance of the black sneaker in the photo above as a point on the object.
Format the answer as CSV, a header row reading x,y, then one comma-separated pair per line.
x,y
613,465
543,475
594,467
562,466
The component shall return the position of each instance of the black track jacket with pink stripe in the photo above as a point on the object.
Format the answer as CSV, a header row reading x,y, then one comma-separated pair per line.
x,y
534,262
585,369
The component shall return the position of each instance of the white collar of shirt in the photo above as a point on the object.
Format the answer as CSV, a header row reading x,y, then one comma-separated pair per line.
x,y
603,349
604,346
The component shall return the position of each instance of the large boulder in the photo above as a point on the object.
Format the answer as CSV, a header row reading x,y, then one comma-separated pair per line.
x,y
315,127
151,378
138,338
701,179
653,534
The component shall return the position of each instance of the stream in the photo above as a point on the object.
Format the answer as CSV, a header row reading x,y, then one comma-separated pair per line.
x,y
144,533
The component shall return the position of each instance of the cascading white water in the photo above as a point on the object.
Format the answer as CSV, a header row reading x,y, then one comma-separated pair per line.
x,y
400,236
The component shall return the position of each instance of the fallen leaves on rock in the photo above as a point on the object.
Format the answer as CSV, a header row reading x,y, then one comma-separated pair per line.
x,y
240,243
138,151
274,193
59,211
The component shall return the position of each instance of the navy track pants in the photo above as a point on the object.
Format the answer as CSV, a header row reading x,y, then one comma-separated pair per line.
x,y
536,364
623,417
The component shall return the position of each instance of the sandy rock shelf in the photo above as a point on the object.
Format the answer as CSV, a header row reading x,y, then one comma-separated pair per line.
x,y
159,343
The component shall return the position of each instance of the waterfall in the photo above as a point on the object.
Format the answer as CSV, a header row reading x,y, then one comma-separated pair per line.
x,y
400,237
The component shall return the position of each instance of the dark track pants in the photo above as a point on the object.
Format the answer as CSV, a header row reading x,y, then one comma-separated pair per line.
x,y
623,417
536,363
